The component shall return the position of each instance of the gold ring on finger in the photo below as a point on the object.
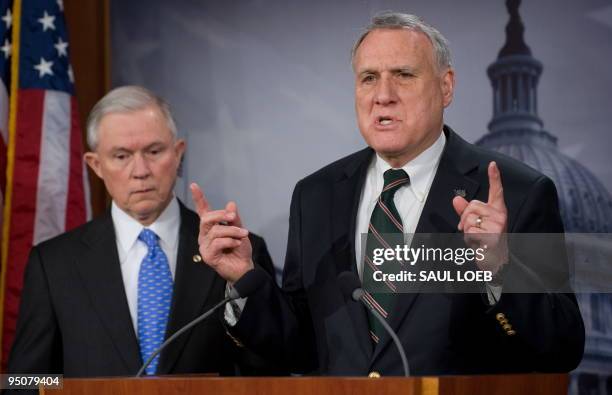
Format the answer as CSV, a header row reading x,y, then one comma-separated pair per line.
x,y
479,222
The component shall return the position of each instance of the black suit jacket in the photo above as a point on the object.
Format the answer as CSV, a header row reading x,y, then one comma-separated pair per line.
x,y
311,326
74,317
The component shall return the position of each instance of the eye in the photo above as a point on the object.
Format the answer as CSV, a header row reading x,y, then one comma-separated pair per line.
x,y
404,74
154,151
368,78
120,156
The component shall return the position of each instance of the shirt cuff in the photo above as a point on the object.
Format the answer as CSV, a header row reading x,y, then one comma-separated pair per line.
x,y
494,292
233,309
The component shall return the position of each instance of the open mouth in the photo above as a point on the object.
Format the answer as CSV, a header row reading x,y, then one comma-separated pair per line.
x,y
385,120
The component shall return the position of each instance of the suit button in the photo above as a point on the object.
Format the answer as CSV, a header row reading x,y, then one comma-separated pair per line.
x,y
507,327
500,317
197,258
503,322
511,332
374,375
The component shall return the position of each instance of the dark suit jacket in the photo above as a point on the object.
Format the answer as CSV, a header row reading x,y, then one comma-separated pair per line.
x,y
74,317
311,326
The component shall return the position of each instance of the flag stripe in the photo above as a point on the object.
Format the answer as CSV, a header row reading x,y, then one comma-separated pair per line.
x,y
52,185
4,124
23,201
4,99
78,197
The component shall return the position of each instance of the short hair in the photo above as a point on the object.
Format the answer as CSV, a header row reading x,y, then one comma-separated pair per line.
x,y
126,99
397,20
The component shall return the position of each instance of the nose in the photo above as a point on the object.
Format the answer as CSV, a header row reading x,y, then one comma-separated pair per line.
x,y
140,169
385,91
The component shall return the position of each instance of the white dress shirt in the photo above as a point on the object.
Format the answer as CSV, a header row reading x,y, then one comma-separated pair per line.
x,y
132,251
409,199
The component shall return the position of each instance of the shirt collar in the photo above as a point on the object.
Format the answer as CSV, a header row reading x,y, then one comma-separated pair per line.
x,y
165,226
420,169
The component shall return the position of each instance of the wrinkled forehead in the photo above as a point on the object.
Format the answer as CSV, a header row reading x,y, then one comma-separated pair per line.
x,y
403,45
140,127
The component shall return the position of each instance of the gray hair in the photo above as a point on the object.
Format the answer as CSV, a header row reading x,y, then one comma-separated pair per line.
x,y
396,20
126,99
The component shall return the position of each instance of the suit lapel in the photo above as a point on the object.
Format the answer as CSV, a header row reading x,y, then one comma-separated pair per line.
x,y
100,271
345,204
453,174
192,284
438,215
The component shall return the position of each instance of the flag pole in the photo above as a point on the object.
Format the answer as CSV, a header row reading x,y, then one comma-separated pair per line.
x,y
6,218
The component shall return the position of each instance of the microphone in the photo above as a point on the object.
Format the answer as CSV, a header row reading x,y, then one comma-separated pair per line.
x,y
246,285
351,288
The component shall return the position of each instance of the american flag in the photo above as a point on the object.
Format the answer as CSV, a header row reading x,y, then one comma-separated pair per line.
x,y
42,175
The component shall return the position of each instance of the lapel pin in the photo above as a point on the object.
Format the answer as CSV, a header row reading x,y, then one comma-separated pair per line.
x,y
197,258
460,192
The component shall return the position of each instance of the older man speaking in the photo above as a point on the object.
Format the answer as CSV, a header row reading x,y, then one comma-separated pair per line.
x,y
417,175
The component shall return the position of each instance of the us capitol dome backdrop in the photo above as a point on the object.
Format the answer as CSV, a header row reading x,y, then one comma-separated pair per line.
x,y
586,206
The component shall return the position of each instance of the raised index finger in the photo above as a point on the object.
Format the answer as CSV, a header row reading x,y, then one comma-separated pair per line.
x,y
201,204
496,190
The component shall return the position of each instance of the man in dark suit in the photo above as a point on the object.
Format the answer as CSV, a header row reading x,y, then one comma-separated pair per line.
x,y
99,299
417,176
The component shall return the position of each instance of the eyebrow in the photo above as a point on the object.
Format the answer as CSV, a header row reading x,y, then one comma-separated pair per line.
x,y
367,71
409,69
154,144
395,69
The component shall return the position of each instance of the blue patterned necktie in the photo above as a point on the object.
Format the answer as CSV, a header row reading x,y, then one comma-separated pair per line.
x,y
154,297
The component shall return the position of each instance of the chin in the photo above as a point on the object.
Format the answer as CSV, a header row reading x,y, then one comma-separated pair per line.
x,y
145,209
389,149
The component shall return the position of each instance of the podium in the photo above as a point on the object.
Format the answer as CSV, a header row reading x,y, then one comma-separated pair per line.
x,y
524,384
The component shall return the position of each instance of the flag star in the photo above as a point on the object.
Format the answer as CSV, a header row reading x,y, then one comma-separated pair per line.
x,y
8,18
47,21
61,47
70,74
6,48
60,4
44,67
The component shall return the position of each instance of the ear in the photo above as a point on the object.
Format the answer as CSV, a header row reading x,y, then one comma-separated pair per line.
x,y
448,86
93,161
179,148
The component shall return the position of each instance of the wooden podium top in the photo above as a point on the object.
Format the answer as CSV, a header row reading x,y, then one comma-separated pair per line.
x,y
457,385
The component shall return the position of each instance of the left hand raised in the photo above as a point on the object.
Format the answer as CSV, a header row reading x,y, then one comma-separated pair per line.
x,y
485,224
224,242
